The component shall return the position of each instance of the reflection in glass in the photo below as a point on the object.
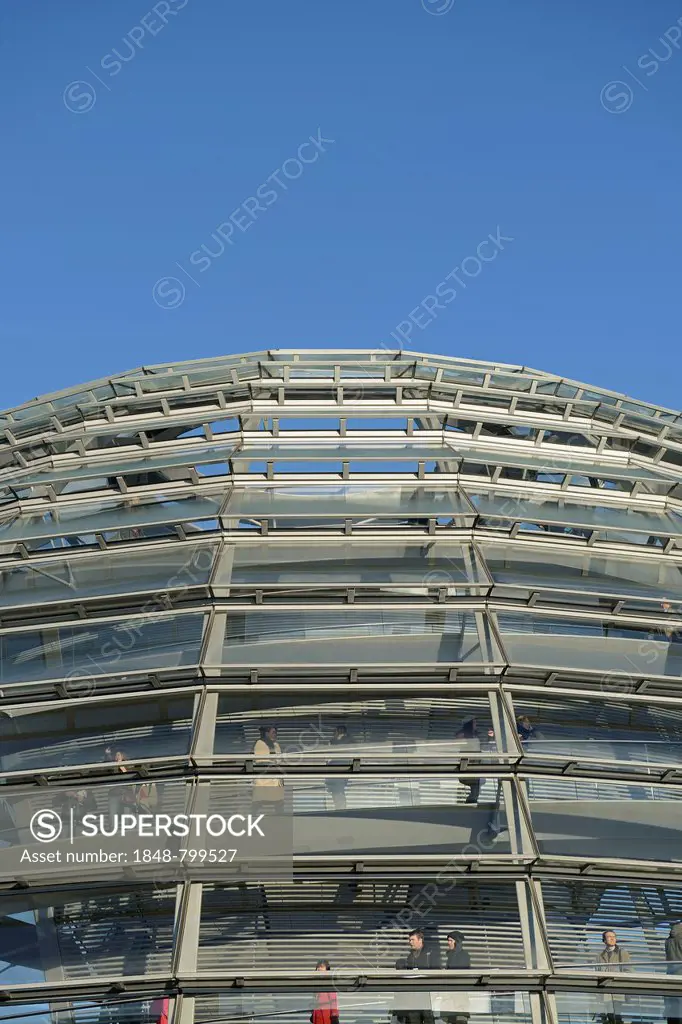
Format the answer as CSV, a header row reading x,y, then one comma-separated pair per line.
x,y
602,819
605,647
144,464
110,932
126,519
501,509
93,649
344,563
545,466
645,937
608,730
393,1007
377,635
340,501
71,579
611,1008
356,924
154,1010
401,727
92,733
309,451
583,572
384,815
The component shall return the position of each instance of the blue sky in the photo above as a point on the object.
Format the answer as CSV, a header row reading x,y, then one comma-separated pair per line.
x,y
489,117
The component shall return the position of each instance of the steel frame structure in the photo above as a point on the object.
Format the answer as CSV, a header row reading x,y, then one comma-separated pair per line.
x,y
542,523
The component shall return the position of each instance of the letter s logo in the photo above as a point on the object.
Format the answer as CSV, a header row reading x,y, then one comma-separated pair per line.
x,y
46,826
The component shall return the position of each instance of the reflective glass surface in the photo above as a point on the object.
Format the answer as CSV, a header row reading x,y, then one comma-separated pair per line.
x,y
102,574
306,452
358,921
195,456
336,501
595,819
488,666
544,463
507,507
314,727
409,566
93,732
377,635
379,815
541,568
582,1007
596,646
90,1011
79,653
598,727
391,1006
641,917
78,524
89,934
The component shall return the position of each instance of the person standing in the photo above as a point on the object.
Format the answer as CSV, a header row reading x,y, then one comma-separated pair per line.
x,y
673,954
615,959
79,802
121,799
470,735
160,1009
336,784
454,1006
416,1008
268,788
326,1007
526,729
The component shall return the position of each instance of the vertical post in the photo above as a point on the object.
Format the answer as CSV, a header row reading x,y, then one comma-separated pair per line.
x,y
203,742
187,927
533,928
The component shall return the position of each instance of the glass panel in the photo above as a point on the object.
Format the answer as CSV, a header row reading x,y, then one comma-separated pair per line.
x,y
414,565
566,727
544,568
469,376
150,1010
309,637
158,460
380,815
358,453
511,381
324,359
358,922
595,646
639,918
338,501
103,574
594,819
84,935
88,733
505,507
79,523
91,649
557,462
583,1007
488,1007
33,412
163,382
313,727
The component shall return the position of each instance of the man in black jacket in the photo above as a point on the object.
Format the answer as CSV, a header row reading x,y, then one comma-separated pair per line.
x,y
419,958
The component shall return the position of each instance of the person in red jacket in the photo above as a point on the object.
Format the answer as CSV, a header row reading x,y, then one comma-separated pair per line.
x,y
159,1010
326,1008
